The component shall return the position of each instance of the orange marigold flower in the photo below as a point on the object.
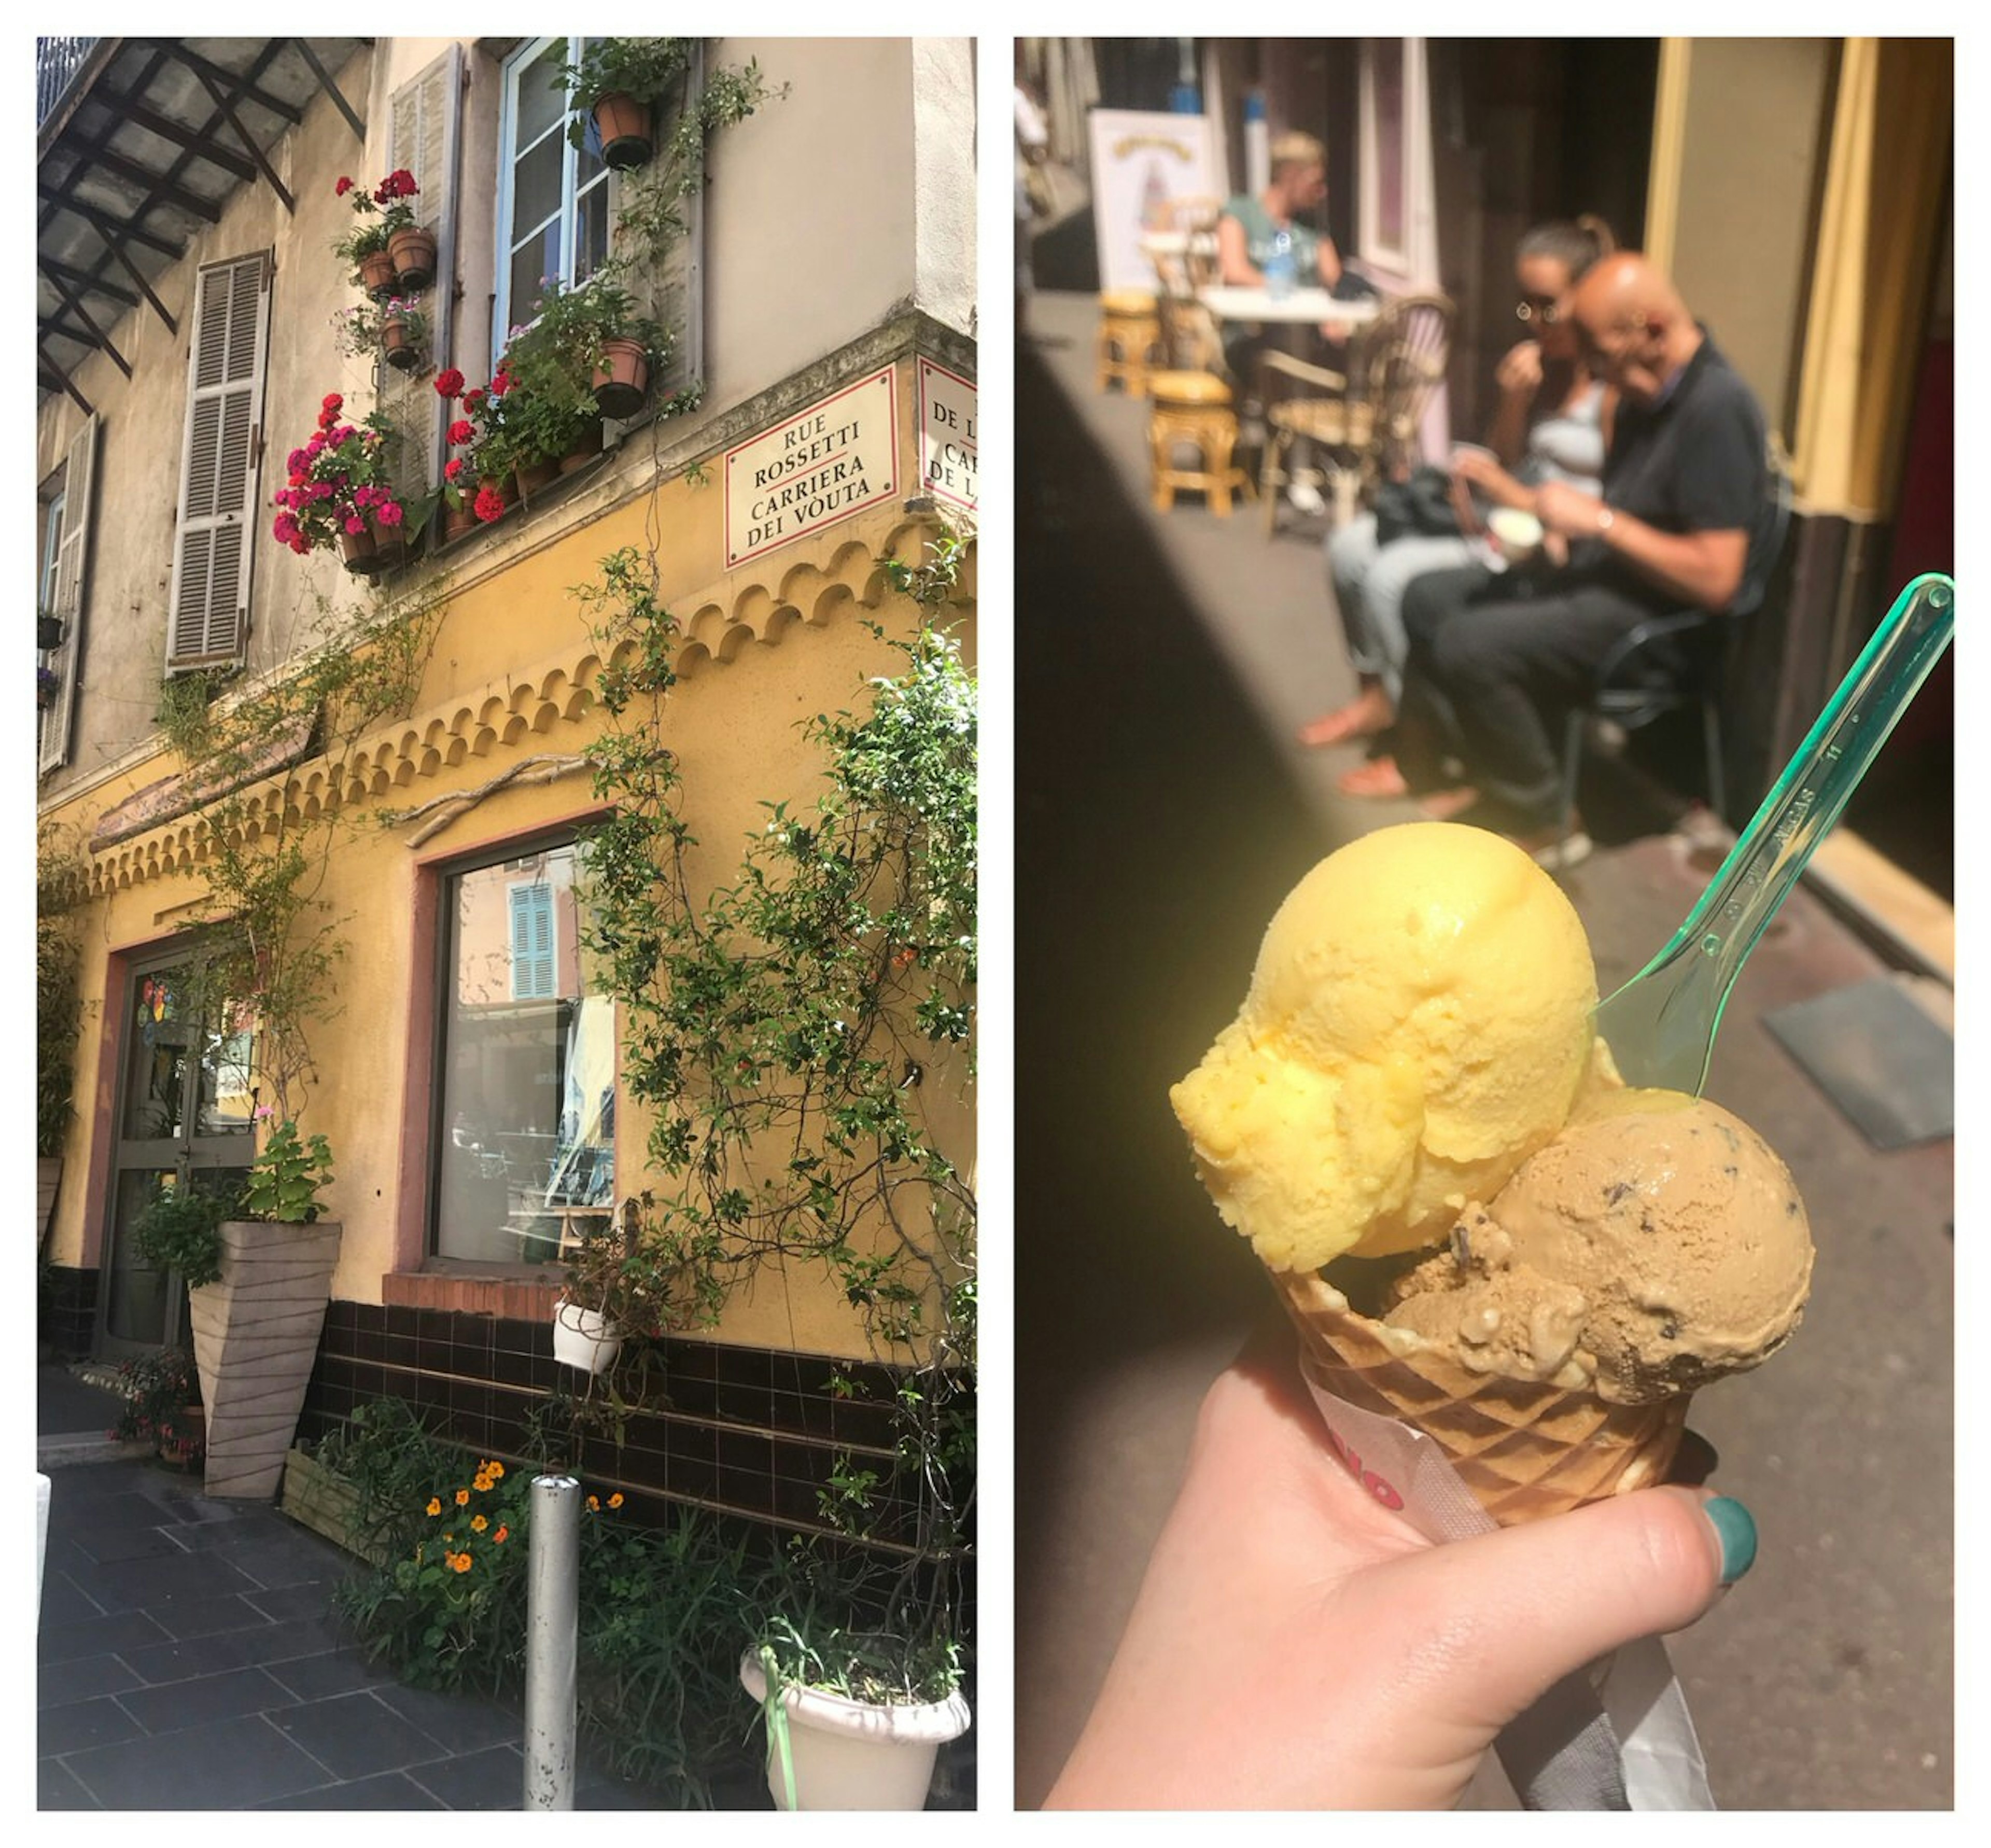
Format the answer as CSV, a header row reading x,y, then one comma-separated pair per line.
x,y
595,1504
615,1500
494,1469
482,1484
462,1496
461,1562
498,1538
435,1505
477,1523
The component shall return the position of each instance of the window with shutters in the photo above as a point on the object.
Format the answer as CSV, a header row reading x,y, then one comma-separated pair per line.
x,y
65,564
526,1100
556,207
214,546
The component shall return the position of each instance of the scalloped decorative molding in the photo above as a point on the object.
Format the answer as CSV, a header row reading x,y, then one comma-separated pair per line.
x,y
746,606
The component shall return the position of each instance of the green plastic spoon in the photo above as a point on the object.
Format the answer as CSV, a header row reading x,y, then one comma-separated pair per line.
x,y
1660,1025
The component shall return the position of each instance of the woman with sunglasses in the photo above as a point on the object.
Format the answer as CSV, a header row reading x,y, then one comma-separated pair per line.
x,y
1552,424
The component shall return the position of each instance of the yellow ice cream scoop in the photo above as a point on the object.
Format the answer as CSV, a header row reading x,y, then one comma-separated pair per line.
x,y
1418,1025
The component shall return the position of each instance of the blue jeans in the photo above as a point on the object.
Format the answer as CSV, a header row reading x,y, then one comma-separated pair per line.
x,y
1370,581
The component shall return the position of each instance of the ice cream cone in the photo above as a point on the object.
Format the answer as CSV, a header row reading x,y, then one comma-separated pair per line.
x,y
1523,1448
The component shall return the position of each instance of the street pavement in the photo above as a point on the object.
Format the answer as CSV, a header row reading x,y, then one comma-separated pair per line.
x,y
188,1658
1164,807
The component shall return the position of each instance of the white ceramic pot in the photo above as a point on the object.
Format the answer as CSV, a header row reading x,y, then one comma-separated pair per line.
x,y
585,1338
850,1755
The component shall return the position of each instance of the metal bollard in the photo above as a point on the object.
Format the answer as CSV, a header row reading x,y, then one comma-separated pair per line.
x,y
552,1621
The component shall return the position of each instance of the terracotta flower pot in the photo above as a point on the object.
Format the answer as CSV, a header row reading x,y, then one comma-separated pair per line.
x,y
622,380
397,342
532,476
413,251
376,273
623,125
457,521
363,558
587,447
390,544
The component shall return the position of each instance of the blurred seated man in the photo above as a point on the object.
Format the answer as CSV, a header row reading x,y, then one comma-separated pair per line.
x,y
1493,667
1248,233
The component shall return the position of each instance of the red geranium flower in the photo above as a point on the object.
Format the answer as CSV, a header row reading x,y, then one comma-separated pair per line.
x,y
448,382
345,186
333,401
489,503
452,469
501,383
462,431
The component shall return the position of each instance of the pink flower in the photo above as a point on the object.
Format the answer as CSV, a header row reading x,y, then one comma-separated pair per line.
x,y
354,524
389,512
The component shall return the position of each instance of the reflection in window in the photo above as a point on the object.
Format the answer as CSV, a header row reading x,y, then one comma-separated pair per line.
x,y
528,1064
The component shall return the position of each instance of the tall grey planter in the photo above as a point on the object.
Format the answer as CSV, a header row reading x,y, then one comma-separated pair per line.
x,y
255,1336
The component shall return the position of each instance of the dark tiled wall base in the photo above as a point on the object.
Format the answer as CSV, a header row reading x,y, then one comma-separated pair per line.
x,y
68,1321
750,1430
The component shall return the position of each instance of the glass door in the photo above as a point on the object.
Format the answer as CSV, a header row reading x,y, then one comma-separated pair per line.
x,y
186,1118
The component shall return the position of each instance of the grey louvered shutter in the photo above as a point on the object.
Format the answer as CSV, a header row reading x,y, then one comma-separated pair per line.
x,y
72,559
674,293
209,621
424,118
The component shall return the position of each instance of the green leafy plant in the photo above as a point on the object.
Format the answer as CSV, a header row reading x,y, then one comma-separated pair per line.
x,y
390,1454
641,69
179,1229
283,1179
361,330
159,1389
794,1033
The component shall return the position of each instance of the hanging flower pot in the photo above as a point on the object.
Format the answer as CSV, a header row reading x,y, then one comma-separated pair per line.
x,y
622,379
398,343
623,126
48,631
390,544
586,447
361,555
585,1338
377,274
414,252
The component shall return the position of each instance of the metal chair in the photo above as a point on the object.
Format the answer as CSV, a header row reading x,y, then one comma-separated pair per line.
x,y
1668,663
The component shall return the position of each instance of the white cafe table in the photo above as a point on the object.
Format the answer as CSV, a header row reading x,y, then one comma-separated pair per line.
x,y
1229,303
1177,243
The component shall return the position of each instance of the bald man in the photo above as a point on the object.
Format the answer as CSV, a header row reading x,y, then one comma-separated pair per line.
x,y
1497,662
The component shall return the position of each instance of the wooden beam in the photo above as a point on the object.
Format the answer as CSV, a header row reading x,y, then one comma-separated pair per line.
x,y
83,279
212,74
100,339
330,88
222,102
195,141
64,381
112,233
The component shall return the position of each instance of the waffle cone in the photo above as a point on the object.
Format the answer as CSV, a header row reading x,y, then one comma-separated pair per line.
x,y
1525,1448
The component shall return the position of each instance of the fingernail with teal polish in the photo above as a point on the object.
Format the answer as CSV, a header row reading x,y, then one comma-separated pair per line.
x,y
1736,1528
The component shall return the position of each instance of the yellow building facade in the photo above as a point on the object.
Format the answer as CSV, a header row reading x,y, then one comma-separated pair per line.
x,y
466,1072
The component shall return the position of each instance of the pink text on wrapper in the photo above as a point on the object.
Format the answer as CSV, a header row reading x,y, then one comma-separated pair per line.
x,y
1368,1478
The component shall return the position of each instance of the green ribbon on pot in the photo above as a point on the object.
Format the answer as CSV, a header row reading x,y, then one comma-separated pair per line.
x,y
776,1715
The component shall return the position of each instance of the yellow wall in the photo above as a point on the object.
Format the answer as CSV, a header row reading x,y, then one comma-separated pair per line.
x,y
769,644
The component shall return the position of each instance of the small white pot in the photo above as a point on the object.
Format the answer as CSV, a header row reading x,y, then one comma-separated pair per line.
x,y
585,1338
850,1755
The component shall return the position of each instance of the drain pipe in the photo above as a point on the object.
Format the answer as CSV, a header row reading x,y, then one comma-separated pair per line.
x,y
552,1622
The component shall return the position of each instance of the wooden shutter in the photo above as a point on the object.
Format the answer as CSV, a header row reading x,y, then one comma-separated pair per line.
x,y
423,125
210,620
532,972
72,559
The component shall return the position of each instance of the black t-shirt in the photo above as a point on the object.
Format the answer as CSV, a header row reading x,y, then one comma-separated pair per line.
x,y
1695,462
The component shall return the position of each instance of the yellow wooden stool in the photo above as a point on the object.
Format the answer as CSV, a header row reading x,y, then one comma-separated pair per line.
x,y
1194,409
1130,340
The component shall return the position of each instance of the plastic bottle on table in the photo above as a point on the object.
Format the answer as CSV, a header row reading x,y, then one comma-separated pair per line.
x,y
1281,273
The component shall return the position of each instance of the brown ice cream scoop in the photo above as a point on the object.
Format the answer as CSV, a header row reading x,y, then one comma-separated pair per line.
x,y
1656,1243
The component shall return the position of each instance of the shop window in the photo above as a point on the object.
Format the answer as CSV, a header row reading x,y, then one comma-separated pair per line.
x,y
65,561
526,1106
214,542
